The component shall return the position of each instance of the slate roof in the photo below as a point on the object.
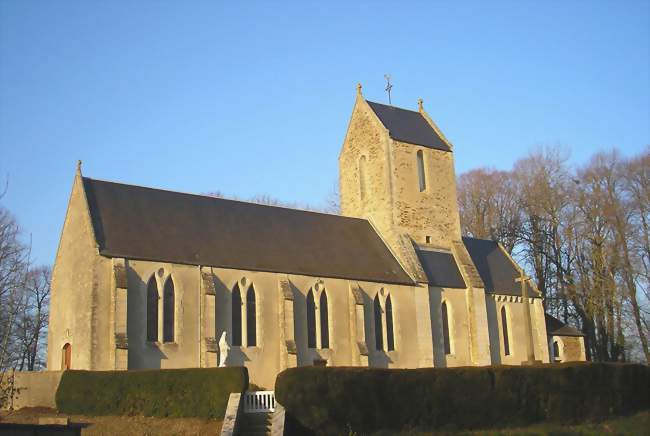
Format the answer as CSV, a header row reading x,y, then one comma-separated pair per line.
x,y
408,126
441,269
495,267
152,224
555,327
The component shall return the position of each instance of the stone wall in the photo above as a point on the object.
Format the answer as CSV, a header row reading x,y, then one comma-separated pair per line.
x,y
516,329
366,138
80,291
33,388
571,348
271,354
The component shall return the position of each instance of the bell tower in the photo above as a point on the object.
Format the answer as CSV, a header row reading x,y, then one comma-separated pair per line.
x,y
397,170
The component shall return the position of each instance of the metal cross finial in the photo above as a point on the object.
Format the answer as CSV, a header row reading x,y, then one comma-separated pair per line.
x,y
388,86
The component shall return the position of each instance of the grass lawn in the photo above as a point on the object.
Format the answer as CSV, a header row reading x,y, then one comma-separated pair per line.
x,y
120,425
638,424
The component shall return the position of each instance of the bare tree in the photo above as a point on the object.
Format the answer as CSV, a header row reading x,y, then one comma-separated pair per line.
x,y
31,324
489,207
14,263
583,234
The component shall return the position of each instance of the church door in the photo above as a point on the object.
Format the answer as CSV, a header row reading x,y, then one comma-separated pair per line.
x,y
66,357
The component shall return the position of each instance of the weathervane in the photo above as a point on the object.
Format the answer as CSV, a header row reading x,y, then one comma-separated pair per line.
x,y
388,86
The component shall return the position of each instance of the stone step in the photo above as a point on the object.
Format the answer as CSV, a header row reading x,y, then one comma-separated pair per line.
x,y
255,424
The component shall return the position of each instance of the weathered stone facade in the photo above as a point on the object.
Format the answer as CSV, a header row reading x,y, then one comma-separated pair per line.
x,y
100,304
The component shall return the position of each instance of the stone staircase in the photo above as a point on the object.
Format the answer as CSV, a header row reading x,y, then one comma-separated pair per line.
x,y
255,424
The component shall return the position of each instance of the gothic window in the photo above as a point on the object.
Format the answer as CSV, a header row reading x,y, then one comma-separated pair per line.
x,y
362,177
445,328
236,316
324,322
421,172
251,320
379,340
311,320
390,338
152,310
504,327
169,306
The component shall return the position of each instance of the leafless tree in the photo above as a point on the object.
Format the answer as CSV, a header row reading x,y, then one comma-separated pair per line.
x,y
583,234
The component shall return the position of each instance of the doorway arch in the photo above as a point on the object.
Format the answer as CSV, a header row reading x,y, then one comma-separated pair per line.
x,y
66,356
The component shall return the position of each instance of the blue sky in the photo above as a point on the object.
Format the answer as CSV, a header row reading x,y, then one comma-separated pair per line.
x,y
254,97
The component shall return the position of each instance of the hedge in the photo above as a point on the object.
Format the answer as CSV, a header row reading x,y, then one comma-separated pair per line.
x,y
365,400
168,392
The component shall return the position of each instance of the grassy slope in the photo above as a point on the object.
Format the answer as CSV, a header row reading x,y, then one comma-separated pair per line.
x,y
638,424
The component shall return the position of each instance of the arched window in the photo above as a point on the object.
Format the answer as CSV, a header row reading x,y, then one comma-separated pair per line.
x,y
445,328
66,357
379,339
362,177
556,351
421,173
152,310
504,326
390,338
251,321
236,316
311,320
169,306
324,322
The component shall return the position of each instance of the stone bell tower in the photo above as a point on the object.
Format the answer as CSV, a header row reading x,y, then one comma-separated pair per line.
x,y
397,169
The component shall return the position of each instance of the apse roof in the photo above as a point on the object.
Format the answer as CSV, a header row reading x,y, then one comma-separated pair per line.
x,y
555,327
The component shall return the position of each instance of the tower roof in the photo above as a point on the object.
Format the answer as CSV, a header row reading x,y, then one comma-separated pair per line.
x,y
408,126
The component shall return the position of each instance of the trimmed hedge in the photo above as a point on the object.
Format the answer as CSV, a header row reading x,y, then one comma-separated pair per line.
x,y
169,392
364,400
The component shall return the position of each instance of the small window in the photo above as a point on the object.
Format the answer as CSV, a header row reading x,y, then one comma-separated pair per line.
x,y
504,326
379,340
324,322
556,351
311,320
362,177
421,173
445,328
390,337
236,316
428,239
169,305
152,310
251,318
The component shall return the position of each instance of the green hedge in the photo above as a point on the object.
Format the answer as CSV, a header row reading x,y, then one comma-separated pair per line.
x,y
363,400
168,392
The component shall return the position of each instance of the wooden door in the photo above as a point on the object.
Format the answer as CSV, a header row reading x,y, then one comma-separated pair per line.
x,y
66,357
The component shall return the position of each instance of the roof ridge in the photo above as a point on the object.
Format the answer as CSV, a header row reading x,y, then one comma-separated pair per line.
x,y
394,107
225,199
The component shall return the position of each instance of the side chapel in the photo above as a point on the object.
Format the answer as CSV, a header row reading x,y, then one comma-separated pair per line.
x,y
149,278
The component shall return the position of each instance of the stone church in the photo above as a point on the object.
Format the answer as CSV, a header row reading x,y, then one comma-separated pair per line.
x,y
149,278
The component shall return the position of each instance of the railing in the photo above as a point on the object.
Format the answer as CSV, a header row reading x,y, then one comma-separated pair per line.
x,y
259,401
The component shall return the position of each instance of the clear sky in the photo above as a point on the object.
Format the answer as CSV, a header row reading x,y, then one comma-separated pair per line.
x,y
254,97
